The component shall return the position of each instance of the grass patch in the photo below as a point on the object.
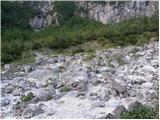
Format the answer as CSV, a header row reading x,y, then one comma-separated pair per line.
x,y
66,88
28,97
142,112
90,56
16,41
26,58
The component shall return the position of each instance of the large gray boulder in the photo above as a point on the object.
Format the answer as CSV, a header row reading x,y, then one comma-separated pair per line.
x,y
110,116
134,105
9,88
32,111
119,110
118,87
37,22
44,94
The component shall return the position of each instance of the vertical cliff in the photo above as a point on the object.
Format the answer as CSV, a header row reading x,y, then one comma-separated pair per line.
x,y
118,11
111,11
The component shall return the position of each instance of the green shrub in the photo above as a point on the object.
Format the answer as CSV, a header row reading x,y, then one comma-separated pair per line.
x,y
66,9
90,56
28,97
26,57
66,88
78,49
16,14
11,50
77,31
140,113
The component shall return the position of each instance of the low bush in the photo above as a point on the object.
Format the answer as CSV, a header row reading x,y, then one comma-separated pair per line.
x,y
66,88
28,97
76,31
142,112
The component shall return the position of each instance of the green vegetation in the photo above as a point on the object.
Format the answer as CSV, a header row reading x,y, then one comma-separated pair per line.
x,y
18,40
142,112
90,56
27,57
16,14
28,97
65,9
66,88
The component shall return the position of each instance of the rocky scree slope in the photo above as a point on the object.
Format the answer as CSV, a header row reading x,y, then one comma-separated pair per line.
x,y
102,11
58,86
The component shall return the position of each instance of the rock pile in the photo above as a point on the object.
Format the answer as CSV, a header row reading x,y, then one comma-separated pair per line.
x,y
73,87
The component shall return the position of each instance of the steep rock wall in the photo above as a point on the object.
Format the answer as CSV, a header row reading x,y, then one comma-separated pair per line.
x,y
102,11
114,12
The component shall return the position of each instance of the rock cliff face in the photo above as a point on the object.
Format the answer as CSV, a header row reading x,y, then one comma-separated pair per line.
x,y
100,11
118,11
46,15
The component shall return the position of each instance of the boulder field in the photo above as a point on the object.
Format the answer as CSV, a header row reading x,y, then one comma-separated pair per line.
x,y
63,86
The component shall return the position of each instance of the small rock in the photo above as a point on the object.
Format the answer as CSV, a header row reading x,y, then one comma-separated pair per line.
x,y
128,58
119,110
32,111
97,71
114,63
61,59
59,85
99,75
7,66
113,92
118,87
147,85
74,84
5,102
125,94
80,94
134,105
104,98
82,86
52,60
148,68
19,74
44,94
131,92
99,104
110,116
100,116
96,82
139,96
152,95
155,63
57,96
103,69
93,96
8,89
17,92
38,62
29,68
